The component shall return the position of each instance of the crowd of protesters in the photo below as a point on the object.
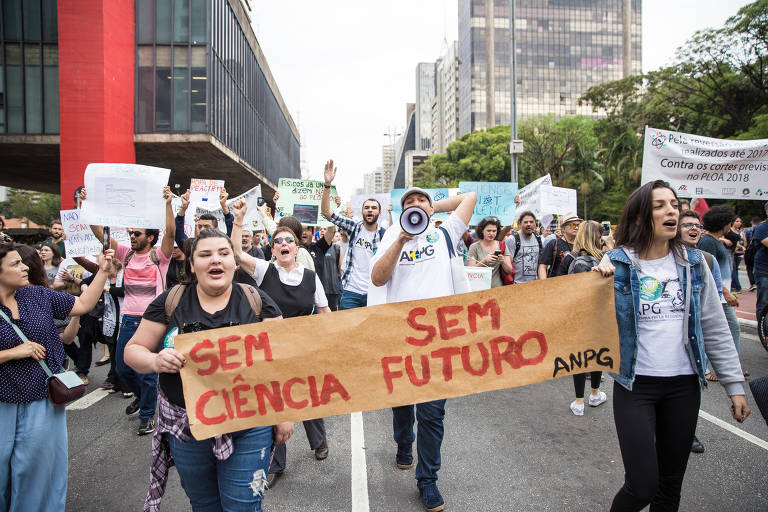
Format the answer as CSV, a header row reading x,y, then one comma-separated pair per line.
x,y
135,299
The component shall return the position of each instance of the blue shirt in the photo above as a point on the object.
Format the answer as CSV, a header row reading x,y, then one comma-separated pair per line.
x,y
23,380
717,249
760,233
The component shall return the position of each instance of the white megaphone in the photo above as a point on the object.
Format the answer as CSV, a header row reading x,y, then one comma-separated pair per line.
x,y
414,220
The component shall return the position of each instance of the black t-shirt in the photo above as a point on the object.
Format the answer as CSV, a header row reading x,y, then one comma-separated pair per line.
x,y
563,248
189,316
734,238
317,250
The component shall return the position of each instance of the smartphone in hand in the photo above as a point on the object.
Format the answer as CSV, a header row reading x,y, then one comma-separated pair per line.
x,y
105,243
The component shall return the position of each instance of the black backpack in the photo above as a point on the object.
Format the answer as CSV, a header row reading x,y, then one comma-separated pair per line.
x,y
516,235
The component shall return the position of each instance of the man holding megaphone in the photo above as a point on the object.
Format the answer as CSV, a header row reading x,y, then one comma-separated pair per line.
x,y
416,260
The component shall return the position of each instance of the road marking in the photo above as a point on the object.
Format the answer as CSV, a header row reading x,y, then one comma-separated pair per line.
x,y
88,400
359,470
730,428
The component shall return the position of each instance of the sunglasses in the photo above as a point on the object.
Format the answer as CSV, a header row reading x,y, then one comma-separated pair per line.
x,y
136,234
284,240
689,225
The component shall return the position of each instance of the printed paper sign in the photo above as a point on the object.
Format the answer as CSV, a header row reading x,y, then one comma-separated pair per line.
x,y
697,166
358,199
301,198
556,200
479,278
529,196
205,193
252,219
494,199
125,195
396,354
80,239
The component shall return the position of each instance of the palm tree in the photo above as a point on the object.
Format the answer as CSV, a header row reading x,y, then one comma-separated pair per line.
x,y
583,172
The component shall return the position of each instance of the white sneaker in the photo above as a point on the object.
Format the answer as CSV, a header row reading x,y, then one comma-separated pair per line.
x,y
577,409
594,401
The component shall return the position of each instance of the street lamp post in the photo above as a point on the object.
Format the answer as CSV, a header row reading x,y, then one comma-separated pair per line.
x,y
515,144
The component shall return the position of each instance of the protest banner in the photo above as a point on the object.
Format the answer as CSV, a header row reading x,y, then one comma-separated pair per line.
x,y
205,193
697,166
79,240
556,200
479,278
302,198
396,354
494,199
529,196
125,195
357,200
436,193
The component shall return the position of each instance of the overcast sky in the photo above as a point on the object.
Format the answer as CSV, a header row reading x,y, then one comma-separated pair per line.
x,y
346,68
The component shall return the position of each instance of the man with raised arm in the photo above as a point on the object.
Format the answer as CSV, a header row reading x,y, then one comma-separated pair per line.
x,y
408,267
364,237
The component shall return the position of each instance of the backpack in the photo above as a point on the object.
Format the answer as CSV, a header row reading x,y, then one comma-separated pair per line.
x,y
587,259
174,297
152,257
506,277
516,235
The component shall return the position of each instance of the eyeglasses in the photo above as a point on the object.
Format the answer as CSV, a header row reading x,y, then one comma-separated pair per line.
x,y
688,225
284,240
136,234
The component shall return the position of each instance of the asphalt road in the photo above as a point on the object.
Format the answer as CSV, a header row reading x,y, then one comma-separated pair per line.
x,y
516,449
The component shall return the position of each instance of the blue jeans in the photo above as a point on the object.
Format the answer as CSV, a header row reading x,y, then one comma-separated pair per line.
x,y
733,325
234,484
143,385
352,300
430,436
33,457
735,284
761,280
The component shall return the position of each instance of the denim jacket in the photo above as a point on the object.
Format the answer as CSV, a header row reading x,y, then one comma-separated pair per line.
x,y
708,336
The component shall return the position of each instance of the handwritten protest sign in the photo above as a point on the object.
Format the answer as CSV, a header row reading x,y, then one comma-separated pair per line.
x,y
495,199
357,200
252,219
80,240
479,278
697,166
125,195
396,354
529,195
301,198
436,193
205,193
557,200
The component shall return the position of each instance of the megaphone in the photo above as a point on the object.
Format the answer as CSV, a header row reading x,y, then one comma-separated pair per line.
x,y
414,220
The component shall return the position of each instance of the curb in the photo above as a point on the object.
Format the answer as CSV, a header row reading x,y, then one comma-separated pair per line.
x,y
744,322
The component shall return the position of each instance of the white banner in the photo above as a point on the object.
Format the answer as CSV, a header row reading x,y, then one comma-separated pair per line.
x,y
252,218
556,200
529,196
80,240
205,193
479,278
125,195
705,167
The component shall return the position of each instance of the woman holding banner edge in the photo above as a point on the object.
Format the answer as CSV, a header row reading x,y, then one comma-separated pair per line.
x,y
228,471
669,323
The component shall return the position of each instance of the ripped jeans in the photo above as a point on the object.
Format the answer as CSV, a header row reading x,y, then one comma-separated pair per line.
x,y
234,484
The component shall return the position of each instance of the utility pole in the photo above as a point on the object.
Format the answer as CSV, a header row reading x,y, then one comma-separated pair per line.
x,y
515,144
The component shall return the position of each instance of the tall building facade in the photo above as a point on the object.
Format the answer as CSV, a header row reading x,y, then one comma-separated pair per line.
x,y
181,84
562,48
445,106
425,94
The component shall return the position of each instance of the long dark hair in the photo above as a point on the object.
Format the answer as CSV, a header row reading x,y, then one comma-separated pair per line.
x,y
30,258
635,229
56,260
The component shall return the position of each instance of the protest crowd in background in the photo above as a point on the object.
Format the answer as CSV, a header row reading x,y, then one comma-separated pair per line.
x,y
243,261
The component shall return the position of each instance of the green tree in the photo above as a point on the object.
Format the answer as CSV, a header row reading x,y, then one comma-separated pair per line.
x,y
38,207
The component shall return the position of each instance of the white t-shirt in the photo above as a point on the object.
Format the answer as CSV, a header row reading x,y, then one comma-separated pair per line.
x,y
362,252
661,342
292,278
423,269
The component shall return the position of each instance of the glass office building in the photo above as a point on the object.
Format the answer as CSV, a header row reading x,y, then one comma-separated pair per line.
x,y
563,47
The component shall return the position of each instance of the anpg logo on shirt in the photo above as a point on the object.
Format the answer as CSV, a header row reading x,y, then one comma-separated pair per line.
x,y
650,288
365,244
417,255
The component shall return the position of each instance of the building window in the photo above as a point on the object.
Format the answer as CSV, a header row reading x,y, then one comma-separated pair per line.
x,y
163,89
180,21
32,19
163,21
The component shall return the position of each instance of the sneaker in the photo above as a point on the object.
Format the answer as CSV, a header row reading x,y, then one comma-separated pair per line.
x,y
577,409
594,401
696,446
83,378
431,498
133,408
753,288
146,426
404,457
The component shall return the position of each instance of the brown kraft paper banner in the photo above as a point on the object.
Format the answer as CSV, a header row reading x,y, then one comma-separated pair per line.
x,y
396,354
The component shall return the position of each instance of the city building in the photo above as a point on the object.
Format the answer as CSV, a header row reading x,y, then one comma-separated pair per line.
x,y
178,84
445,105
563,47
425,94
387,166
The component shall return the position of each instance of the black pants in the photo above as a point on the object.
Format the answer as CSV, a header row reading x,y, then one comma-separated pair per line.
x,y
580,379
333,300
81,352
749,262
655,423
315,430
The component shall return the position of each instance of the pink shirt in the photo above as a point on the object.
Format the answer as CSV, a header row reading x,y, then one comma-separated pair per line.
x,y
142,279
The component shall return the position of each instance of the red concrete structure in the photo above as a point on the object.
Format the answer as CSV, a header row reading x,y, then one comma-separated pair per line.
x,y
96,87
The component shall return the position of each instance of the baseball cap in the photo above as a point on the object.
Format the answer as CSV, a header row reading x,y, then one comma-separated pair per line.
x,y
415,190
